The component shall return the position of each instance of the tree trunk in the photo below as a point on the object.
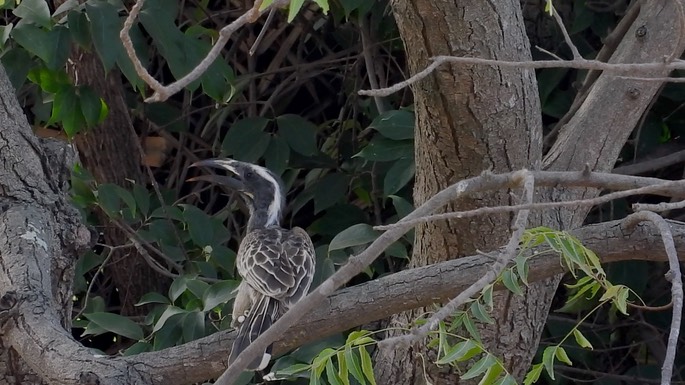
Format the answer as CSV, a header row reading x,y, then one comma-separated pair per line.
x,y
110,152
470,119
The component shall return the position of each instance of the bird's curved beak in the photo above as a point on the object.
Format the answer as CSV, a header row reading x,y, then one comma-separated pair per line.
x,y
228,181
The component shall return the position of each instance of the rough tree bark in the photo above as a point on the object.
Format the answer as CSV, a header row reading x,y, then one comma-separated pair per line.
x,y
471,119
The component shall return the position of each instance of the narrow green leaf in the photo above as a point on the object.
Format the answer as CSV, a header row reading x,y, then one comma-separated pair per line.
x,y
510,281
137,348
491,374
178,286
343,372
561,355
478,311
581,340
548,360
353,364
461,351
67,111
471,327
508,379
117,324
294,9
367,366
332,374
359,234
480,367
533,375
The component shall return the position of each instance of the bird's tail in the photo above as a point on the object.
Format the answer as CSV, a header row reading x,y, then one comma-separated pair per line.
x,y
262,315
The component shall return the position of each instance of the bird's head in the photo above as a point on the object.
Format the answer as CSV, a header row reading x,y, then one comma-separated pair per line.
x,y
261,189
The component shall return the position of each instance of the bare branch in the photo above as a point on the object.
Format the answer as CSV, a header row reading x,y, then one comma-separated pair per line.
x,y
672,187
675,277
651,164
162,93
629,70
659,207
567,37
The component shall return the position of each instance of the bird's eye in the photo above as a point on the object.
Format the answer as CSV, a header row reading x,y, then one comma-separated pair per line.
x,y
249,175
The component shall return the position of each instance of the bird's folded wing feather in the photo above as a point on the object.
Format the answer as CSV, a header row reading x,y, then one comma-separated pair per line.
x,y
278,263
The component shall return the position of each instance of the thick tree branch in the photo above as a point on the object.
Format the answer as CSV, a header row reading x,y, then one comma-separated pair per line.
x,y
409,289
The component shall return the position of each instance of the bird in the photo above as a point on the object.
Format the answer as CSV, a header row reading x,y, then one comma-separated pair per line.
x,y
276,264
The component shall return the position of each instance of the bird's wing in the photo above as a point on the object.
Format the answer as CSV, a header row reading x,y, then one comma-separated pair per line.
x,y
278,263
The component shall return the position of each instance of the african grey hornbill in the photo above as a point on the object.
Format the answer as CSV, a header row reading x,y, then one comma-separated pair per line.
x,y
276,264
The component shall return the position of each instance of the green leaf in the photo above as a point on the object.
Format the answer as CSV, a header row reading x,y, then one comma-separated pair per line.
x,y
510,281
491,374
395,124
178,286
533,375
168,313
323,4
367,366
294,8
277,155
91,105
246,139
104,29
581,340
66,109
508,379
471,327
193,326
343,372
461,351
329,190
359,234
480,367
481,314
137,348
50,46
353,364
108,198
561,355
79,28
332,374
17,63
383,150
152,297
199,226
197,287
399,174
299,133
117,324
218,293
5,31
142,198
34,11
548,360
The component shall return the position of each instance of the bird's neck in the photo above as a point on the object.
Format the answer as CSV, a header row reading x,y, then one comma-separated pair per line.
x,y
260,219
265,212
